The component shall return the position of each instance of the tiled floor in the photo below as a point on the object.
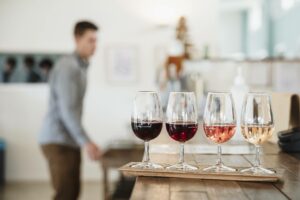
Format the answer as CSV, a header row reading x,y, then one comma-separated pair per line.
x,y
43,191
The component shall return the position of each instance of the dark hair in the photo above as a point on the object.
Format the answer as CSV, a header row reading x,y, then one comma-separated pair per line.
x,y
12,62
46,63
82,26
29,61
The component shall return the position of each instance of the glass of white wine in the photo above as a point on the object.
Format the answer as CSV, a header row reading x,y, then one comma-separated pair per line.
x,y
257,126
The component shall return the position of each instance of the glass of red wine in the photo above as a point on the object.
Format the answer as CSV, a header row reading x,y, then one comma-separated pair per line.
x,y
146,123
182,123
219,124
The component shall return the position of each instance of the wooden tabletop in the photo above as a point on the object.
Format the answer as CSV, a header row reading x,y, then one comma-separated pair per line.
x,y
190,189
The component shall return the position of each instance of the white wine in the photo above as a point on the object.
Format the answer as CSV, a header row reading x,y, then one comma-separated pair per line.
x,y
257,134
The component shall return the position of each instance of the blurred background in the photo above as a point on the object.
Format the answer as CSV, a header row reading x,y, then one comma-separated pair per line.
x,y
166,45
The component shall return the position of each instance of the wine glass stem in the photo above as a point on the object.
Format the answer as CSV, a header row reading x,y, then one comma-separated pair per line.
x,y
257,160
146,152
181,158
219,161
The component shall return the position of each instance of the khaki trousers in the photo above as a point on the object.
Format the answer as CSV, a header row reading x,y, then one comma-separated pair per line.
x,y
64,166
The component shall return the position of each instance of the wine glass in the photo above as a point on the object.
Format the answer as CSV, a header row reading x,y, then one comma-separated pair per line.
x,y
219,124
182,123
257,125
146,123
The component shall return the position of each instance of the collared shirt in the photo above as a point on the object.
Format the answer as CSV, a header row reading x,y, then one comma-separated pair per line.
x,y
62,124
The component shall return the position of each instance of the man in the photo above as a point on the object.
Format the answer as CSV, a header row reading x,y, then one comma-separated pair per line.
x,y
62,134
45,66
8,70
32,75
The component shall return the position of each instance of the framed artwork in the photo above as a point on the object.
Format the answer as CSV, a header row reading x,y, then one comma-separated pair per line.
x,y
122,64
26,67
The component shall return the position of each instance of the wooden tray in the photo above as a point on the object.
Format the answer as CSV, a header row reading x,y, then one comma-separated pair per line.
x,y
200,174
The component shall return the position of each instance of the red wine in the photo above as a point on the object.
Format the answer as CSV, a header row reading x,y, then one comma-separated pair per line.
x,y
146,130
219,133
182,131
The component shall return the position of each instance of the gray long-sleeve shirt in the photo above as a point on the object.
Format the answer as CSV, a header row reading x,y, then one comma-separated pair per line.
x,y
62,124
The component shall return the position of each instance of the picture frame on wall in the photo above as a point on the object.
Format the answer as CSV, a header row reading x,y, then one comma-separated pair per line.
x,y
122,64
26,67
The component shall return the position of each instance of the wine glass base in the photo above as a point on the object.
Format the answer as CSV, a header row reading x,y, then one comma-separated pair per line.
x,y
146,165
258,170
182,166
219,168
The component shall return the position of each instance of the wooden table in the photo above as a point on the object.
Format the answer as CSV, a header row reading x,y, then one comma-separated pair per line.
x,y
115,158
190,189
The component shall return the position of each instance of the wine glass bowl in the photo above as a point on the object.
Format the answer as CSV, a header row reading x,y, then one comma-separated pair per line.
x,y
256,134
182,131
219,133
146,130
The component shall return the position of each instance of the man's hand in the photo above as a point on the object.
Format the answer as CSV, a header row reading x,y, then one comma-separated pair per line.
x,y
93,151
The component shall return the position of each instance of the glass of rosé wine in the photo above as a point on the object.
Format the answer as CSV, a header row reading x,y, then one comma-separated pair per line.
x,y
219,124
146,123
257,126
182,123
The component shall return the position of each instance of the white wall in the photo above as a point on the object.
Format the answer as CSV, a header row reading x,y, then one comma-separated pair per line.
x,y
46,26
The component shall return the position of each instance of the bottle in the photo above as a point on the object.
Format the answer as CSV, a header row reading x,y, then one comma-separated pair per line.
x,y
239,90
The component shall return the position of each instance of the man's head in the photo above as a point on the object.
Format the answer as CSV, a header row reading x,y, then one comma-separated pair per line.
x,y
85,34
46,64
29,62
10,64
